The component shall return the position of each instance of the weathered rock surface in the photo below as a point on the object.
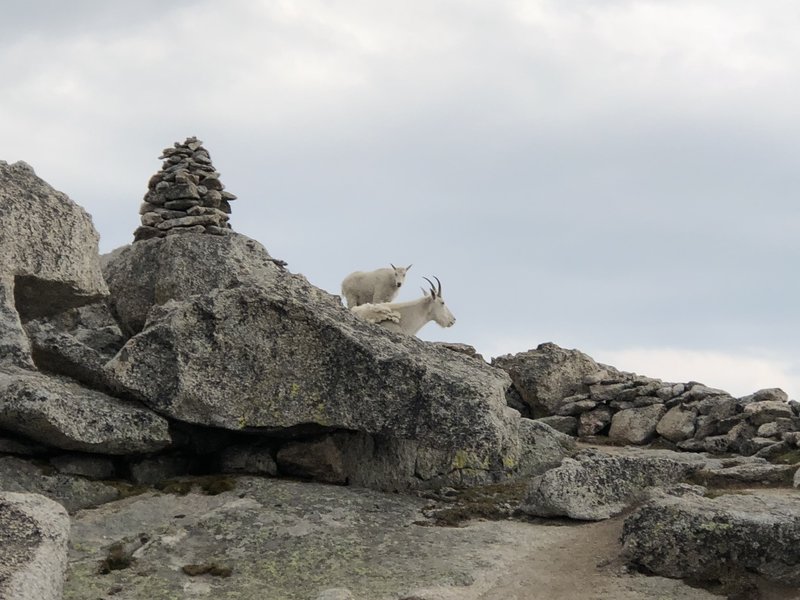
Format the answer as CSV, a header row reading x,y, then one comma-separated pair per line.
x,y
636,425
48,256
285,354
548,374
596,487
72,492
710,539
33,547
151,272
286,540
60,413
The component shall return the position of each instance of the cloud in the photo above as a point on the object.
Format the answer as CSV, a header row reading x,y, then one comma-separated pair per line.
x,y
596,173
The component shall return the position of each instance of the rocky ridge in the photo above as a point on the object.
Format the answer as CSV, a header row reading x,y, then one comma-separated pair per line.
x,y
570,391
208,373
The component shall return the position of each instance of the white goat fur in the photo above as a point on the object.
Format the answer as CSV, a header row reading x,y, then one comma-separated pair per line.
x,y
408,317
374,287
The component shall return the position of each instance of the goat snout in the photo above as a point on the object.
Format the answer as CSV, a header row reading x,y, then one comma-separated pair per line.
x,y
399,284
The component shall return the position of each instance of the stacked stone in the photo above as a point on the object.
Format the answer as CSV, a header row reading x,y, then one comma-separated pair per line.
x,y
578,396
185,196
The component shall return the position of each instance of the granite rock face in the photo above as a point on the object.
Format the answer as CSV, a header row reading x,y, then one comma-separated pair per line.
x,y
152,272
544,377
250,358
233,341
48,256
33,547
708,539
61,413
593,487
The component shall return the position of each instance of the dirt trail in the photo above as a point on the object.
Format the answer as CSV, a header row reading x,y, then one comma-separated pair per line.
x,y
575,562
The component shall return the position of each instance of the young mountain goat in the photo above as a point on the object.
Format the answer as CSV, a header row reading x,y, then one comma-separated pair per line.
x,y
373,287
409,317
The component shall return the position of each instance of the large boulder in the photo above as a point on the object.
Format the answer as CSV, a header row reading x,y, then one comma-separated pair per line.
x,y
597,487
544,377
48,256
280,354
709,539
61,413
34,532
636,425
151,272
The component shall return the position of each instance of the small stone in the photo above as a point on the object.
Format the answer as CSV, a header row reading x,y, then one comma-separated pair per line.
x,y
147,207
181,204
760,412
777,428
145,233
677,424
207,210
182,230
636,425
181,191
190,221
166,213
151,219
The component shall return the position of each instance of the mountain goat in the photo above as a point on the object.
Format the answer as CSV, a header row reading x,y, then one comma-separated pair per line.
x,y
373,287
409,317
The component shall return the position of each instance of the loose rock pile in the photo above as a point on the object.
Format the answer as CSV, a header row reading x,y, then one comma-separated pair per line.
x,y
574,394
185,196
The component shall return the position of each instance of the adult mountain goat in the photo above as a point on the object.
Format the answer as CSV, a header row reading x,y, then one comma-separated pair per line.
x,y
409,317
374,287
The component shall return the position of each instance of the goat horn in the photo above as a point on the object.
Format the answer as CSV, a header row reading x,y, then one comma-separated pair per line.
x,y
433,288
409,266
440,284
391,265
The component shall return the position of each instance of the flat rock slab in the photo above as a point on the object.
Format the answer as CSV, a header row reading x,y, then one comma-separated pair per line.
x,y
33,547
61,413
596,487
286,540
708,539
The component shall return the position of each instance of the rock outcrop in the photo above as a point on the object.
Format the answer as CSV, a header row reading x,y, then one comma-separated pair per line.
x,y
48,257
596,487
714,539
33,547
551,382
64,415
152,272
185,196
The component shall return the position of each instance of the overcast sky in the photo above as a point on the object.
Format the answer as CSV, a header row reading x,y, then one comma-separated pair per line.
x,y
615,176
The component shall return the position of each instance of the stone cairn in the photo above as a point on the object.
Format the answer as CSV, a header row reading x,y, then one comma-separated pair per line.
x,y
185,196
